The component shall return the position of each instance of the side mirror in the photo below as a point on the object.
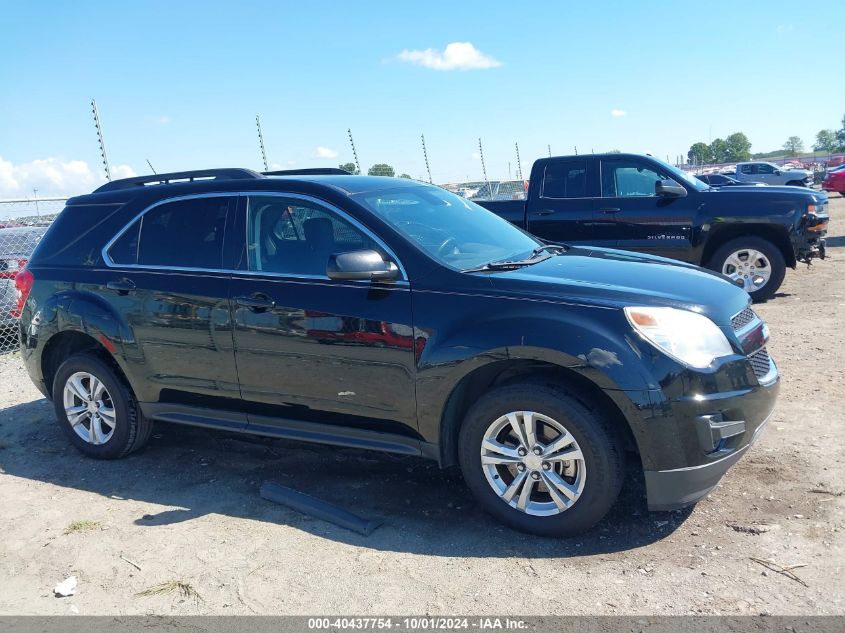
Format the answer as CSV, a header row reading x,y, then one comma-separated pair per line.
x,y
366,265
669,189
778,172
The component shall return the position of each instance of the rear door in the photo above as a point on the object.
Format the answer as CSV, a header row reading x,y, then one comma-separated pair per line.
x,y
167,275
311,349
645,222
562,208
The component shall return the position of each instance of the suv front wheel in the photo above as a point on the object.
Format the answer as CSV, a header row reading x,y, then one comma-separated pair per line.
x,y
539,460
97,410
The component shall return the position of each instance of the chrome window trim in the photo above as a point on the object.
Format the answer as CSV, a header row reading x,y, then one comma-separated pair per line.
x,y
107,260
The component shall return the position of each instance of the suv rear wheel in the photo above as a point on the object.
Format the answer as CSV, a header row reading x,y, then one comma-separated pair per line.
x,y
97,410
753,261
539,460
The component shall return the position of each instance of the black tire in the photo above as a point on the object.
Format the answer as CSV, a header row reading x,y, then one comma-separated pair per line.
x,y
131,429
772,253
603,457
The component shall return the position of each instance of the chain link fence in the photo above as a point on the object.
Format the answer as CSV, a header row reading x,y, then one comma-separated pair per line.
x,y
22,224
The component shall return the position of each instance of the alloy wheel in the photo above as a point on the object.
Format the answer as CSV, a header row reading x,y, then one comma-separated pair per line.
x,y
89,408
748,266
533,463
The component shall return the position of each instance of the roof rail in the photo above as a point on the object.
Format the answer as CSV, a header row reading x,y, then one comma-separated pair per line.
x,y
234,173
313,171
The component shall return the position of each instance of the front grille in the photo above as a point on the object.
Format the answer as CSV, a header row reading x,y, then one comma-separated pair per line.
x,y
742,319
760,362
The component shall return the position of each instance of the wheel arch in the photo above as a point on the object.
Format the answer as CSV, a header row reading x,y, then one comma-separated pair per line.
x,y
502,372
777,235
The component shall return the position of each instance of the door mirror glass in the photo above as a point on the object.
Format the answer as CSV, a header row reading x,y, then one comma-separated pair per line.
x,y
669,188
367,265
778,172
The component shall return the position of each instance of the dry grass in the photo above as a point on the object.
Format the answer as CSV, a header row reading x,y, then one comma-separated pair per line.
x,y
82,526
184,589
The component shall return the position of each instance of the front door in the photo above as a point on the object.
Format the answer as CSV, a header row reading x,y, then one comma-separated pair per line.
x,y
644,221
313,349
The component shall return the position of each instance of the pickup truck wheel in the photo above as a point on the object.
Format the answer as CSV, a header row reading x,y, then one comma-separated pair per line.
x,y
97,410
539,460
755,264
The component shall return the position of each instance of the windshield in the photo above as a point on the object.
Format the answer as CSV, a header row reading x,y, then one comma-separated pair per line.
x,y
454,231
683,176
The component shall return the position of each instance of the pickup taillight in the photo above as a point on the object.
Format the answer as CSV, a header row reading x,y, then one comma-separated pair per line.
x,y
23,285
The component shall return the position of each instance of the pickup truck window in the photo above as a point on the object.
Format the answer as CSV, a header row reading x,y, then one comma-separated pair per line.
x,y
765,168
295,237
627,179
565,180
747,169
450,229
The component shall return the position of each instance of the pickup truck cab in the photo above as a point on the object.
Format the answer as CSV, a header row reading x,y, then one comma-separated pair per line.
x,y
639,203
771,174
392,315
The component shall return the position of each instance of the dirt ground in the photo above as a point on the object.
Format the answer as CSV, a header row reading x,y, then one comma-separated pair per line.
x,y
183,518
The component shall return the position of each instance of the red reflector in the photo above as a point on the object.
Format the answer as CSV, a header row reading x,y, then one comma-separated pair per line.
x,y
23,284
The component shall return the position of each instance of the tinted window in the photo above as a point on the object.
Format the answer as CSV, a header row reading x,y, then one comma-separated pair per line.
x,y
295,237
764,168
125,249
747,169
627,179
183,234
565,180
718,180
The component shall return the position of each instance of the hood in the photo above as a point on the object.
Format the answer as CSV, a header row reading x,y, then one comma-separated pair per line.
x,y
611,277
780,192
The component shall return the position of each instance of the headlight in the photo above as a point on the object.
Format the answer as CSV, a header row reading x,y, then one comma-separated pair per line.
x,y
686,336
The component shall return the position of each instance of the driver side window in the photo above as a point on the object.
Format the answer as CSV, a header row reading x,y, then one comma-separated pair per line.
x,y
765,169
627,179
295,237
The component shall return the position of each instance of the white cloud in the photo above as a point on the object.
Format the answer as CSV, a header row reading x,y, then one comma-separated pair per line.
x,y
456,56
54,177
617,112
325,152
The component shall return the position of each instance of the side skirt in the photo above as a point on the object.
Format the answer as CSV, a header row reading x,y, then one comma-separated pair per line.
x,y
284,428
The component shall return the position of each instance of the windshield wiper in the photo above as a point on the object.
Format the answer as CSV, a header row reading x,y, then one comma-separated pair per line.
x,y
533,258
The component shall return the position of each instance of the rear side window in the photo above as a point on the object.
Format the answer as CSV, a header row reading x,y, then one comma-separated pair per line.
x,y
179,234
565,180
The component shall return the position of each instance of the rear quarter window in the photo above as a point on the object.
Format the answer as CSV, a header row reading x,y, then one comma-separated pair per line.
x,y
76,236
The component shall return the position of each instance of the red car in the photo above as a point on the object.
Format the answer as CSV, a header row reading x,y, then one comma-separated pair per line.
x,y
835,181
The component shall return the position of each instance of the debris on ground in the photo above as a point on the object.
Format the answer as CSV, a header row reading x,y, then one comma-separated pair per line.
x,y
66,588
184,589
785,571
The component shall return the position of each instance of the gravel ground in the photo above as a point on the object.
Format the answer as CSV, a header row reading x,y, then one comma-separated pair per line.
x,y
183,518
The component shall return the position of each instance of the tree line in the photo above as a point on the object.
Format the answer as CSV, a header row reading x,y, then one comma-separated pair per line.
x,y
737,148
379,169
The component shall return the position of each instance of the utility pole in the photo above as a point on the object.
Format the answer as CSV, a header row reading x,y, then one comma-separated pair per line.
x,y
354,153
576,150
35,197
550,150
261,143
518,162
101,139
425,155
484,168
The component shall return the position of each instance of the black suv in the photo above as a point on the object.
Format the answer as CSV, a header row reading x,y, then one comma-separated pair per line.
x,y
393,315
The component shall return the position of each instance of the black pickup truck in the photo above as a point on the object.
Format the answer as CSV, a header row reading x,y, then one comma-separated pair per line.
x,y
639,203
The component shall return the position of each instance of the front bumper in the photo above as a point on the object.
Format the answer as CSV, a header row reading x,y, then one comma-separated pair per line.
x,y
673,489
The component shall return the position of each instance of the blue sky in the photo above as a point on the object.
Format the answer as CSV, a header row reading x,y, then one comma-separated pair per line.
x,y
180,83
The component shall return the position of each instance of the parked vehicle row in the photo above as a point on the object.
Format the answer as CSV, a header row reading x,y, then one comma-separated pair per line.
x,y
834,180
16,245
393,315
639,203
771,174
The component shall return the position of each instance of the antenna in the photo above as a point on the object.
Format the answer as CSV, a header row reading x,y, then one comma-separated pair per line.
x,y
100,138
354,153
484,168
425,155
152,169
518,163
261,143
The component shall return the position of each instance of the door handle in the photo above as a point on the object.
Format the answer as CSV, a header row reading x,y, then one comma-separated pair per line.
x,y
121,286
610,209
257,302
544,212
